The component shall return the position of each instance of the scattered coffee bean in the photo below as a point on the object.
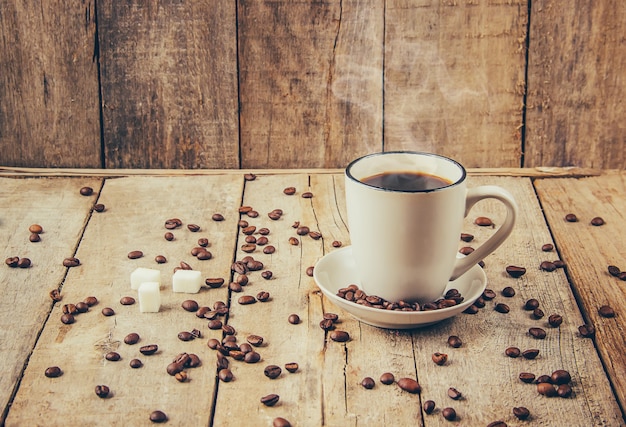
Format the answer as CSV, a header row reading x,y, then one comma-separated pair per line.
x,y
249,177
185,336
502,308
449,414
483,221
309,271
263,296
472,309
53,372
173,223
558,263
587,331
387,378
547,266
69,309
24,263
108,311
337,244
614,270
86,191
531,304
538,333
409,385
564,390
67,319
272,371
515,271
55,295
606,311
169,236
112,356
467,237
127,300
268,250
466,250
521,412
135,254
368,383
530,353
225,375
327,324
214,282
181,376
555,320
99,207
148,350
538,313
267,274
160,259
454,341
489,294
158,417
294,319
136,363
439,358
252,357
339,336
280,422
527,377
546,389
293,241
291,367
82,307
12,261
215,324
132,338
290,191
270,399
571,217
190,305
548,247
454,394
597,221
246,300
560,376
255,340
194,228
34,238
429,407
508,292
512,352
71,262
307,195
102,391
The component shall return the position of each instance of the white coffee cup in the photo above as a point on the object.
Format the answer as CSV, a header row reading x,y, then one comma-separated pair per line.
x,y
405,242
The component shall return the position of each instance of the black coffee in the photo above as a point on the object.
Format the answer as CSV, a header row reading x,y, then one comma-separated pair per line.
x,y
406,181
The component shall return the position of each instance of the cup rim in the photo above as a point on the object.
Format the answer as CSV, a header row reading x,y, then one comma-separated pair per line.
x,y
420,153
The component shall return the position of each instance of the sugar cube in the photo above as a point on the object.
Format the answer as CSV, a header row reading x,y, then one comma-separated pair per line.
x,y
149,297
143,274
187,281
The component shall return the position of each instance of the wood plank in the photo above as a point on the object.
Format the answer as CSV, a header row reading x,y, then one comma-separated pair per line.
x,y
588,251
136,210
57,206
49,109
311,86
576,86
169,84
454,79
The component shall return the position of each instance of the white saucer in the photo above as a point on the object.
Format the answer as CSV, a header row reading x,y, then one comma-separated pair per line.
x,y
337,270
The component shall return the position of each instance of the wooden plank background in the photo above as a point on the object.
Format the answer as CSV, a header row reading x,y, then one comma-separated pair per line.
x,y
280,84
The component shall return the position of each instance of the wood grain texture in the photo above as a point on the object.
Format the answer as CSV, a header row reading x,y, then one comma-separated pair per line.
x,y
576,85
169,84
310,82
588,251
49,112
57,206
454,79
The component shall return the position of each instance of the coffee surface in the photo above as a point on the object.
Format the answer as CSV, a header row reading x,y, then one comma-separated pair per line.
x,y
406,181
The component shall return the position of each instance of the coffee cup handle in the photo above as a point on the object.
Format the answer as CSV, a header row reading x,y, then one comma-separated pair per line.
x,y
474,195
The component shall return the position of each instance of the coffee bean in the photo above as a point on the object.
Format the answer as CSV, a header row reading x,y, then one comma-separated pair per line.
x,y
108,311
467,237
515,271
547,247
82,307
12,261
547,266
498,423
530,353
190,305
249,177
270,399
339,336
429,407
531,304
571,217
294,319
246,300
112,356
255,340
102,391
302,230
597,221
274,216
136,363
587,331
225,375
252,357
217,217
132,338
280,422
546,389
307,195
449,414
135,254
99,207
454,394
502,308
71,262
489,294
409,385
174,368
263,296
483,221
337,244
293,241
472,309
215,324
55,295
327,324
560,376
194,228
228,330
291,367
34,238
439,358
508,292
521,413
538,333
606,311
148,350
214,282
454,341
67,319
466,250
512,352
538,313
158,417
555,320
160,259
614,270
173,223
24,263
387,378
86,191
169,236
269,250
181,376
290,191
564,390
527,377
69,309
185,336
248,248
368,383
127,300
53,372
272,371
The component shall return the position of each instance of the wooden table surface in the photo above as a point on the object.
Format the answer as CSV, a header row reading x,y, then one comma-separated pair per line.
x,y
326,389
